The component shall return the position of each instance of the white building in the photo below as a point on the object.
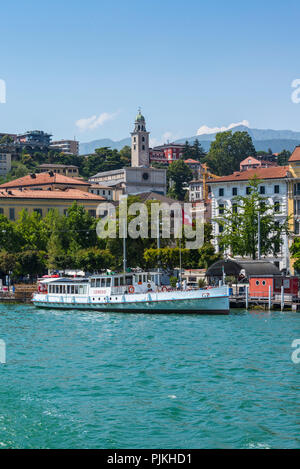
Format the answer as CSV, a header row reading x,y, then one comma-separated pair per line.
x,y
69,147
140,177
196,190
274,187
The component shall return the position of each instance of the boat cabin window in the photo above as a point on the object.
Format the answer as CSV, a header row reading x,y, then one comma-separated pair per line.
x,y
121,281
108,282
116,281
98,282
129,279
93,282
68,289
103,282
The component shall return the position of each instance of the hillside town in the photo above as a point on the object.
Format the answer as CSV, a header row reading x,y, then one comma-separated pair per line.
x,y
55,182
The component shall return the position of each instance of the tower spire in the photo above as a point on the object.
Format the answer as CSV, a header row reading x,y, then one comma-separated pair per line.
x,y
140,142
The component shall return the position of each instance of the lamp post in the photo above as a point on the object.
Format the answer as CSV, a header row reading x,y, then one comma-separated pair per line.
x,y
258,235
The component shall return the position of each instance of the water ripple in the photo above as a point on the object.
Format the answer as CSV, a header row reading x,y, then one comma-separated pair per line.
x,y
95,380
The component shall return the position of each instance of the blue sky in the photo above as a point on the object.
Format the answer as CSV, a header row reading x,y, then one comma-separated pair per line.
x,y
82,68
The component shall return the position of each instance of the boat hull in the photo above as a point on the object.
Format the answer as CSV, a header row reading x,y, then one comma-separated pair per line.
x,y
176,302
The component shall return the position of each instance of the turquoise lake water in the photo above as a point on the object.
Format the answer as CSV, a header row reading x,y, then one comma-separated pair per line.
x,y
96,380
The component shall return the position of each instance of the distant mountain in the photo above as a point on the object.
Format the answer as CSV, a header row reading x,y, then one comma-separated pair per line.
x,y
256,134
90,147
263,139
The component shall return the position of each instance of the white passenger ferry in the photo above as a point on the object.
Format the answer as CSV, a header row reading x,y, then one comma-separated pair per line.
x,y
128,293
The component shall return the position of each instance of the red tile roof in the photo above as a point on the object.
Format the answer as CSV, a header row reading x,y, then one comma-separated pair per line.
x,y
43,178
295,156
73,194
190,160
274,172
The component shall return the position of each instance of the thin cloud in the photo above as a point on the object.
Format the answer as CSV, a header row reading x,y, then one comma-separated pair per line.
x,y
213,130
91,123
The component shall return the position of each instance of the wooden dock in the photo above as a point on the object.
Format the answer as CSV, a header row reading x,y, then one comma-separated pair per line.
x,y
277,302
22,294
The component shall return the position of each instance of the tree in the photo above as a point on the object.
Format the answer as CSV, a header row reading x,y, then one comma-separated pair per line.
x,y
6,140
240,225
125,155
207,256
228,150
178,174
94,259
168,257
283,157
80,228
7,262
30,230
198,152
187,151
10,240
295,252
31,263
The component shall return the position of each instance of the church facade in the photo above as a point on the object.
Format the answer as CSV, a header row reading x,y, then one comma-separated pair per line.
x,y
140,177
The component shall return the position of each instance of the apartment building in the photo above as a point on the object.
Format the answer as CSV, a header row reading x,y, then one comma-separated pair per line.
x,y
275,186
69,147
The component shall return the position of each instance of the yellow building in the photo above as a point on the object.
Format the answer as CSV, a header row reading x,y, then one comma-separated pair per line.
x,y
12,201
66,170
294,197
45,191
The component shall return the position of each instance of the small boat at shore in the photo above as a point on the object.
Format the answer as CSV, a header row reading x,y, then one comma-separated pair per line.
x,y
128,293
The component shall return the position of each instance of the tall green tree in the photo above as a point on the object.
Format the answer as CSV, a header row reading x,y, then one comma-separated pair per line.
x,y
187,151
125,155
283,157
198,152
178,174
240,225
228,150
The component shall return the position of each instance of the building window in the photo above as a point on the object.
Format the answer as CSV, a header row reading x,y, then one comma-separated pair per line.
x,y
221,192
143,147
234,191
262,190
221,209
92,213
1,211
248,190
276,189
234,208
11,213
221,228
277,206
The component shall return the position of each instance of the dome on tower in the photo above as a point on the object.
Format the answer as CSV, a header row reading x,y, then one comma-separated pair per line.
x,y
140,117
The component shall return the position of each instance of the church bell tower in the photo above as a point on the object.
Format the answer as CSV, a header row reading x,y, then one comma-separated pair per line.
x,y
140,142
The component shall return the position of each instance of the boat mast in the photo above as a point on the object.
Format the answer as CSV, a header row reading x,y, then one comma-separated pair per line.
x,y
180,261
124,248
158,248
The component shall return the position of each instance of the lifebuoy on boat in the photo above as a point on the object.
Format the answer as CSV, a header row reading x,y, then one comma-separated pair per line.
x,y
205,295
42,288
164,288
131,289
